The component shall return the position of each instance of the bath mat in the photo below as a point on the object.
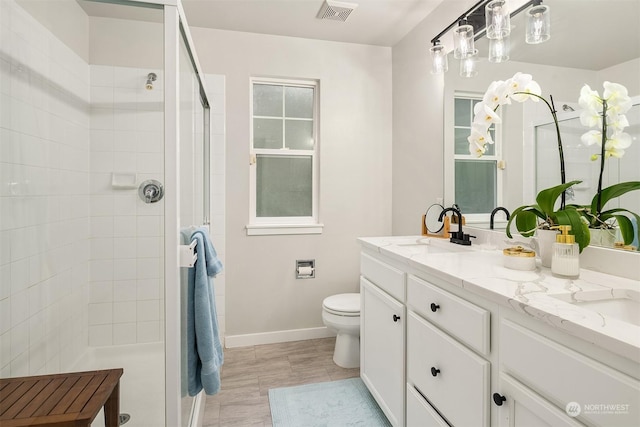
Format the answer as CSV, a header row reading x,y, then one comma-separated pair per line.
x,y
330,404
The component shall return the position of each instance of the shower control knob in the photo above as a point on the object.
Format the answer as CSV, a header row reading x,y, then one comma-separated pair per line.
x,y
396,318
498,399
435,371
434,307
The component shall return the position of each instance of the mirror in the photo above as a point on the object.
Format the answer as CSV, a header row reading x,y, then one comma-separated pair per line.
x,y
591,42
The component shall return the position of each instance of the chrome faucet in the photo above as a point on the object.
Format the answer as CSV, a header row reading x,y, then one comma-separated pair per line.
x,y
457,237
493,213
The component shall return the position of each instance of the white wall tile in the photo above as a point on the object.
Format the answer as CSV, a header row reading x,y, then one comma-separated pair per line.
x,y
101,270
102,248
148,331
125,141
124,247
124,162
124,290
124,312
148,268
100,335
149,226
101,227
101,292
124,226
101,75
125,204
124,333
100,313
149,247
124,269
148,289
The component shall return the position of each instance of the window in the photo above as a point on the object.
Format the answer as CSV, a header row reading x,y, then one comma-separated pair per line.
x,y
284,148
476,185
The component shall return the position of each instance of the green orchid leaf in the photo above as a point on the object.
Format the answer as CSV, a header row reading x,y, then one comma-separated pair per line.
x,y
578,228
546,199
527,223
612,192
626,228
531,212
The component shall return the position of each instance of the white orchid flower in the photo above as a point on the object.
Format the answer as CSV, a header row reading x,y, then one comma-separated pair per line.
x,y
531,87
476,149
614,147
480,135
620,106
590,118
591,137
614,93
486,115
589,99
496,94
617,122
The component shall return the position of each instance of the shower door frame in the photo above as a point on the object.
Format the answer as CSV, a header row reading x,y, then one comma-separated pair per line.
x,y
176,28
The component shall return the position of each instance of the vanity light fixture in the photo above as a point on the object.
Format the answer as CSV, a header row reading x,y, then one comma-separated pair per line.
x,y
538,24
497,19
463,41
439,59
499,49
493,19
468,66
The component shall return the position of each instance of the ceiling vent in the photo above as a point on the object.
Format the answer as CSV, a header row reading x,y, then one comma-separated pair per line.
x,y
336,10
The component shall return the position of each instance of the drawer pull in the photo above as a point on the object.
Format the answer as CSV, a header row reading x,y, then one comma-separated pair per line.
x,y
435,371
498,399
434,307
396,318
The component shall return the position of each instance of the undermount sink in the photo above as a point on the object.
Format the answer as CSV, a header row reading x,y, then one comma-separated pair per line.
x,y
621,304
427,246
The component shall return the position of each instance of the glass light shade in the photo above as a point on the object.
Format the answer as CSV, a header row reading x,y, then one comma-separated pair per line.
x,y
439,61
538,24
463,43
497,19
468,66
499,50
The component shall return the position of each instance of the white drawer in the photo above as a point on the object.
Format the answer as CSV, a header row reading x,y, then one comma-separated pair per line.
x,y
458,317
459,390
562,376
420,413
386,277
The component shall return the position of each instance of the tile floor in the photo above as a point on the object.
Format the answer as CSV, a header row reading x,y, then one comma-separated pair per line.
x,y
249,372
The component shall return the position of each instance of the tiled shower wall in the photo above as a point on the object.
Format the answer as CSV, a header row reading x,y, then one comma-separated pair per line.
x,y
125,282
44,198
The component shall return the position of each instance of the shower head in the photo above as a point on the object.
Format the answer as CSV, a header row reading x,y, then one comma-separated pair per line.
x,y
151,77
566,107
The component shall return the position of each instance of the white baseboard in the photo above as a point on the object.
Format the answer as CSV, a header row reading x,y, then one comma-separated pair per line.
x,y
232,341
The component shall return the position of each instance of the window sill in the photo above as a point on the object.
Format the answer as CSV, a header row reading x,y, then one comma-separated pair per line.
x,y
282,229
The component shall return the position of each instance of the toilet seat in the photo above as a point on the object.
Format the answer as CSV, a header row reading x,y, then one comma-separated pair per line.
x,y
347,305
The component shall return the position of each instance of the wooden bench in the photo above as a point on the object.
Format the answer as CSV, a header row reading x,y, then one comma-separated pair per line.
x,y
70,399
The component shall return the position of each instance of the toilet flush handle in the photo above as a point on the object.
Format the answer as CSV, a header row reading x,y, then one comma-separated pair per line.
x,y
396,318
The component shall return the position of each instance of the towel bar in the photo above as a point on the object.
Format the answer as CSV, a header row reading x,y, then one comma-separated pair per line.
x,y
187,255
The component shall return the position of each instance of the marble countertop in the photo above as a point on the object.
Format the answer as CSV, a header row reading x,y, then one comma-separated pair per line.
x,y
539,294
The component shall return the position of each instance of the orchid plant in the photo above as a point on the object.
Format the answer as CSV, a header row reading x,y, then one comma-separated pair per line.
x,y
607,115
521,87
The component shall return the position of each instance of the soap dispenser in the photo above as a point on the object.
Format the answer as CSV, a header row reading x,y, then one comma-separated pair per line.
x,y
566,254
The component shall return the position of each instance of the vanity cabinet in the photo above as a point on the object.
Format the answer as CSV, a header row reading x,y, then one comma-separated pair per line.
x,y
525,408
382,336
575,383
440,367
475,359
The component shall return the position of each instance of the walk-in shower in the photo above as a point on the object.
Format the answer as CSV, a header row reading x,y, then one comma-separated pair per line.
x,y
89,277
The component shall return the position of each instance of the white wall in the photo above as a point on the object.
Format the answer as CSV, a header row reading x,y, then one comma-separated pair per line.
x,y
262,294
44,197
418,121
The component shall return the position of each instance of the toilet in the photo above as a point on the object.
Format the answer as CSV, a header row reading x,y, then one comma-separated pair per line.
x,y
341,314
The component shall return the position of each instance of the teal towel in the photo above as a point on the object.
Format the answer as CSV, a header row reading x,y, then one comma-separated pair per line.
x,y
204,350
